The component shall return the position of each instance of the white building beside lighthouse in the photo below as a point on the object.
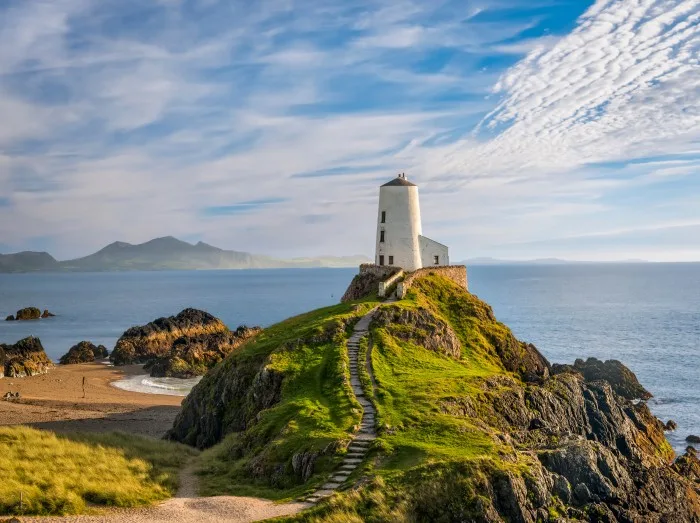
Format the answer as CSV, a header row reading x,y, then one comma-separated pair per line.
x,y
400,240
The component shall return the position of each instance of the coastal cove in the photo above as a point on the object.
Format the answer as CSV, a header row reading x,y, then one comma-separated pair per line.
x,y
647,316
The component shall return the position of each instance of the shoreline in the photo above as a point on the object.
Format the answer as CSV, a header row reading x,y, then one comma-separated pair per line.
x,y
54,401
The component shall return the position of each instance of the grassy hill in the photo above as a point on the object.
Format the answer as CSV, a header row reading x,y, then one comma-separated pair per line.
x,y
471,425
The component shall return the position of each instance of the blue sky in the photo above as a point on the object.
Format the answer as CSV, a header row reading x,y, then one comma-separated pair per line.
x,y
544,128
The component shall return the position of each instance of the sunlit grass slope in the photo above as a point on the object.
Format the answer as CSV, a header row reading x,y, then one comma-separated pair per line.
x,y
315,410
45,473
426,456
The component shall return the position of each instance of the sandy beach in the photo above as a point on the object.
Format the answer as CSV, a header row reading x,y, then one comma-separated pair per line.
x,y
55,401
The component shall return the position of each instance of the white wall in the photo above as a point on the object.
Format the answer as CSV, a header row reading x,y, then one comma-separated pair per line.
x,y
402,228
429,249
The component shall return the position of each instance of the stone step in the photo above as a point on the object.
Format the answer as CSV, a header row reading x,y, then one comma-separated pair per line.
x,y
330,485
352,461
356,454
360,442
348,468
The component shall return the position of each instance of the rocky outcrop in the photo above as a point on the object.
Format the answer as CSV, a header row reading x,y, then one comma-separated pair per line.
x,y
84,352
367,281
622,380
420,327
29,313
192,356
155,339
24,358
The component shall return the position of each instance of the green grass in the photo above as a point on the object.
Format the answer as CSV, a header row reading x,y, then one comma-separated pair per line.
x,y
316,413
69,474
423,451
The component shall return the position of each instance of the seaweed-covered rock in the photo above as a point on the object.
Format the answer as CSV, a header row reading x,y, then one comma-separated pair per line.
x,y
623,381
25,358
155,339
192,356
84,352
47,314
28,313
10,318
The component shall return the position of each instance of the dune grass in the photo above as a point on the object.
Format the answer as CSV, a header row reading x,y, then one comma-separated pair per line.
x,y
44,473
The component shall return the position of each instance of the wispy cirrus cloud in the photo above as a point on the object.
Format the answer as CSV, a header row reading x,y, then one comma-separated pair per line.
x,y
523,125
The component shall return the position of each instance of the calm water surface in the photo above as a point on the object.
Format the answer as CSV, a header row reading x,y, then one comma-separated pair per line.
x,y
646,315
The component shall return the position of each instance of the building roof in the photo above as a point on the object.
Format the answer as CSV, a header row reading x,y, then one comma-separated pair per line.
x,y
399,182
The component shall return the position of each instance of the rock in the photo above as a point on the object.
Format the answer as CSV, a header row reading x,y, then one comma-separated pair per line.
x,y
47,314
367,282
28,313
194,355
11,396
670,425
84,352
24,358
155,339
10,318
623,381
693,439
421,328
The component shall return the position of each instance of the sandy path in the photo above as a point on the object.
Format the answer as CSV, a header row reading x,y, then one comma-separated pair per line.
x,y
185,507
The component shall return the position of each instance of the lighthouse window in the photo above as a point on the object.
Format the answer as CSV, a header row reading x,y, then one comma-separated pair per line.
x,y
381,236
391,260
381,259
383,216
436,260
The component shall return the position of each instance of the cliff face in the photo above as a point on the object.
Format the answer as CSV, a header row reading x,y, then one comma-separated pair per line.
x,y
474,425
24,358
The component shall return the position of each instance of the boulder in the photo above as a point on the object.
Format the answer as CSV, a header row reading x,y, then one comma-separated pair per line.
x,y
670,425
47,314
84,352
192,356
623,381
25,358
28,313
155,339
10,318
693,439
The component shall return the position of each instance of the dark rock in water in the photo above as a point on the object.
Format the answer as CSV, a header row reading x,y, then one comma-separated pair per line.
x,y
693,439
623,381
47,314
670,425
194,355
24,358
28,313
10,318
84,352
155,339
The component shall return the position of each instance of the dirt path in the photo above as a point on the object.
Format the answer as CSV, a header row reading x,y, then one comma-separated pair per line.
x,y
186,507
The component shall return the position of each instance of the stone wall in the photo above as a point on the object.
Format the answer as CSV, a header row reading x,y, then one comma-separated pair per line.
x,y
456,273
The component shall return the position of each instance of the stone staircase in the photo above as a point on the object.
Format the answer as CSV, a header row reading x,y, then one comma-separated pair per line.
x,y
362,440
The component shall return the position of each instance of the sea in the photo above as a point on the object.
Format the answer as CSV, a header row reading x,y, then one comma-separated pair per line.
x,y
645,315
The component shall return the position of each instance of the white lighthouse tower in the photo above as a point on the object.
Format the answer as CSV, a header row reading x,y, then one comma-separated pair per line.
x,y
400,240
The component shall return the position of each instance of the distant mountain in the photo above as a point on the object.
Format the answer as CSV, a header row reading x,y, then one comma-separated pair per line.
x,y
28,261
166,253
538,261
